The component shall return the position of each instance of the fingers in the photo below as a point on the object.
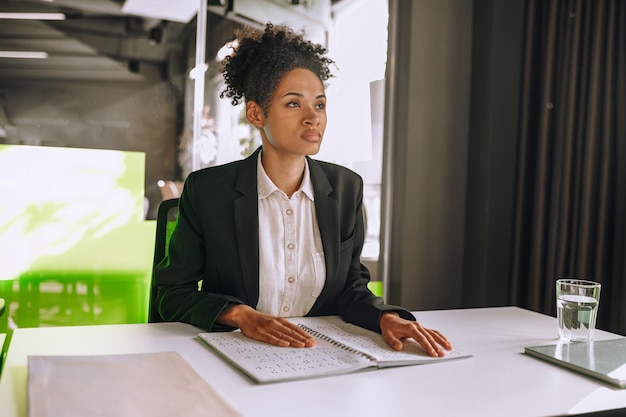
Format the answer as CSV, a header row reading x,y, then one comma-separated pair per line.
x,y
440,339
394,329
276,331
426,339
288,334
392,341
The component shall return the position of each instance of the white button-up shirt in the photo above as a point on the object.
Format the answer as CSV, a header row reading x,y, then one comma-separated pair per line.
x,y
292,271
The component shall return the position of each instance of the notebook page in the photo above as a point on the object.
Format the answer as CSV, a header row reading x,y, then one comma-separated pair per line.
x,y
267,363
373,344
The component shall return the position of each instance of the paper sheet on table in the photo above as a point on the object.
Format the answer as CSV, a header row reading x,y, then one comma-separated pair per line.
x,y
123,385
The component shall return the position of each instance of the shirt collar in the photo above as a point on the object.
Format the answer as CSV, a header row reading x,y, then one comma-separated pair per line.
x,y
265,186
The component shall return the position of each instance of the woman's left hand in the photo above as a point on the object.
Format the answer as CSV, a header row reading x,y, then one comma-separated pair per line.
x,y
394,328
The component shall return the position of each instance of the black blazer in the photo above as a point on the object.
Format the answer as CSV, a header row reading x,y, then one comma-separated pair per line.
x,y
216,241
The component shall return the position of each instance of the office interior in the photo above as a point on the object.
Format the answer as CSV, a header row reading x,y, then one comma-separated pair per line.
x,y
452,150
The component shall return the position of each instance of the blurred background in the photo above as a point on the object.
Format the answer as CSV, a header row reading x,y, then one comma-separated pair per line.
x,y
107,105
490,135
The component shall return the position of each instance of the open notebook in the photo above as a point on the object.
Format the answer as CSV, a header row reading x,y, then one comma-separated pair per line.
x,y
340,348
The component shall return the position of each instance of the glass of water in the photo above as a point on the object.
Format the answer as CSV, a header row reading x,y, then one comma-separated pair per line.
x,y
576,309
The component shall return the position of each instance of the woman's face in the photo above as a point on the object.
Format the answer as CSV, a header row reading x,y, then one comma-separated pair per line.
x,y
296,119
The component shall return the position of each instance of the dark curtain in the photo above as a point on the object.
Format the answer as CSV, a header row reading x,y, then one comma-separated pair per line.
x,y
570,204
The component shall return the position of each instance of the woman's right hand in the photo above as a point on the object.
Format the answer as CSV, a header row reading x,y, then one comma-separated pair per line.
x,y
265,328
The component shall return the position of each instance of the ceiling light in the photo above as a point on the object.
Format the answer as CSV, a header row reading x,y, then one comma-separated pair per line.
x,y
174,11
32,16
23,54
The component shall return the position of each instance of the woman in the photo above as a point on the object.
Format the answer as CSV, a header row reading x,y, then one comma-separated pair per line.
x,y
278,234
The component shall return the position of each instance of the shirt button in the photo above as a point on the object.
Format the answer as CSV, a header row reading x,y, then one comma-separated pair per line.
x,y
286,309
291,246
289,212
291,280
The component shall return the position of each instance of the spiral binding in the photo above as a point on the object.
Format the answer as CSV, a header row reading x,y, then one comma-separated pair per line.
x,y
334,342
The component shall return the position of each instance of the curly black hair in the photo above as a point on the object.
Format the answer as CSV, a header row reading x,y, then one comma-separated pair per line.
x,y
256,66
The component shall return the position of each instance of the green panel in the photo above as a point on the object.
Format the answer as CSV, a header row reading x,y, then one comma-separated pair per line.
x,y
75,247
376,287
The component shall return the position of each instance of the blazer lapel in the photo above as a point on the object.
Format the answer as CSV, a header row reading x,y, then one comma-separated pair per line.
x,y
247,226
328,221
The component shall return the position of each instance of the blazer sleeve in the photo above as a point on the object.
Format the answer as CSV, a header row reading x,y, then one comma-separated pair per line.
x,y
354,302
357,304
180,273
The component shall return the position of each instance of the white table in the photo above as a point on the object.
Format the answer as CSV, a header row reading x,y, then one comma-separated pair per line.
x,y
499,380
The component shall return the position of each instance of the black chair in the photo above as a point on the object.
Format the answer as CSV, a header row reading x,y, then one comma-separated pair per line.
x,y
167,215
4,342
